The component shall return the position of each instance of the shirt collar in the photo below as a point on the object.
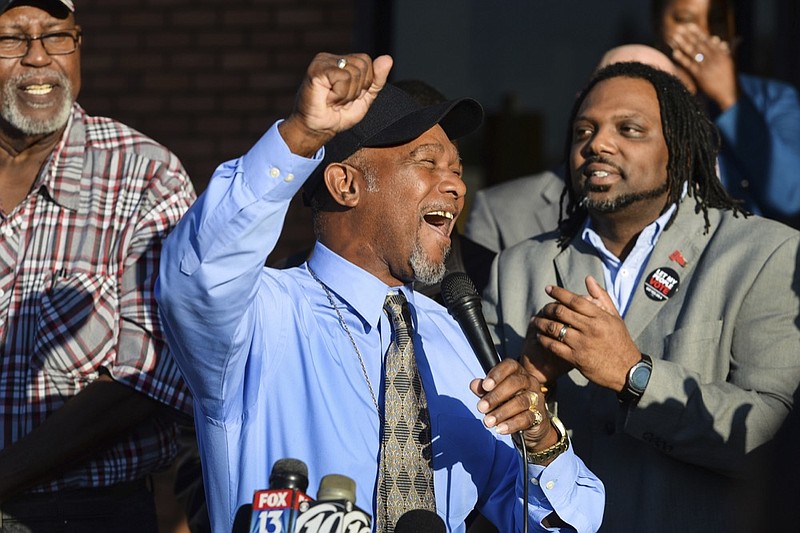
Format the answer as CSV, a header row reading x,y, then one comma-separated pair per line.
x,y
362,291
648,237
61,175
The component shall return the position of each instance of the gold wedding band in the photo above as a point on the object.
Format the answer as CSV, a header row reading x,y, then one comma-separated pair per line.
x,y
563,332
341,63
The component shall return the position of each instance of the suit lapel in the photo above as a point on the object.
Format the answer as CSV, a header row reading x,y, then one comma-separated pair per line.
x,y
575,263
551,195
685,237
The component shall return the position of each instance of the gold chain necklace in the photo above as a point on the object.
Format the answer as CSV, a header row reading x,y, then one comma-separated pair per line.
x,y
350,336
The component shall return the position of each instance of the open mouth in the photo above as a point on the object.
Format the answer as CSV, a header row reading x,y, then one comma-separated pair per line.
x,y
441,220
598,174
40,94
40,89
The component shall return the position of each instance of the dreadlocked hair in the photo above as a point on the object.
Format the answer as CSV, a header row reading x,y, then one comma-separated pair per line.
x,y
692,144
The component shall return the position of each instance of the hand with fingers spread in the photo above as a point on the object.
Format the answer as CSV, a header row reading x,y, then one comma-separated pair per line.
x,y
584,332
334,96
709,62
543,364
512,401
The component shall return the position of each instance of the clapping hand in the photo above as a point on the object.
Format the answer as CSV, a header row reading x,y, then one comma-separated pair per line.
x,y
585,332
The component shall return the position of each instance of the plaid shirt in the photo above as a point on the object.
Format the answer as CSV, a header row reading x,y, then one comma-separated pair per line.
x,y
78,263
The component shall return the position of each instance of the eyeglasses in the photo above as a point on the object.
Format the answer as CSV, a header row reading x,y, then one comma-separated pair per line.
x,y
57,43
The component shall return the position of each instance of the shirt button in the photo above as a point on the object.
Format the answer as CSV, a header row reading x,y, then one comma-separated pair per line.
x,y
550,484
2,293
288,178
624,272
534,481
274,172
745,184
8,232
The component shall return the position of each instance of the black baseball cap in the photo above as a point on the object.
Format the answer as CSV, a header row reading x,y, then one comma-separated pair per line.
x,y
5,4
396,118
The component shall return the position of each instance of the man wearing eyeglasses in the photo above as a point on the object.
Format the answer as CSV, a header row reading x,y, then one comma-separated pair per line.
x,y
88,393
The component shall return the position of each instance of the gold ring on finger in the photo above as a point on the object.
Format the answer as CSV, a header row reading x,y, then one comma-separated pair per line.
x,y
533,401
537,418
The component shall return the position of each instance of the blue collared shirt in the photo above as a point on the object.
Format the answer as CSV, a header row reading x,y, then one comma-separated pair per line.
x,y
274,373
622,276
760,155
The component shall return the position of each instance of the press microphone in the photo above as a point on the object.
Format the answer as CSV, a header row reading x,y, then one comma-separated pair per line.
x,y
464,303
420,521
277,508
334,511
336,487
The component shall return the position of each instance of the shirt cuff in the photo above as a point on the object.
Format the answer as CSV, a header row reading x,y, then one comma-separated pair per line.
x,y
269,166
555,488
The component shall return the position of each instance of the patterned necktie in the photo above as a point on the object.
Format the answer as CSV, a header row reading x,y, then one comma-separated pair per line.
x,y
405,478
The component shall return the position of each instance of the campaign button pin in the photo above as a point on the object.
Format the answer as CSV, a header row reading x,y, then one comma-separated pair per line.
x,y
661,284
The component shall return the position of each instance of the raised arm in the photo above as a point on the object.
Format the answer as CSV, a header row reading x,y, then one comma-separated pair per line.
x,y
212,264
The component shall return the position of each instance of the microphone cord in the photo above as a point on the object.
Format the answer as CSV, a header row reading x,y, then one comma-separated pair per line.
x,y
524,459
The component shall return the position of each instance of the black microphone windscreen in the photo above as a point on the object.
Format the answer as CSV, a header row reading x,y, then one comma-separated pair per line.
x,y
457,286
420,521
289,474
464,305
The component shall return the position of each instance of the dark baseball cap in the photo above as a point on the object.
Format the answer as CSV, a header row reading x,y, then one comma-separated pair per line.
x,y
396,118
5,4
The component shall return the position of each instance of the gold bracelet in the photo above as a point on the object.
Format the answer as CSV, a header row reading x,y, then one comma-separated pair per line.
x,y
538,458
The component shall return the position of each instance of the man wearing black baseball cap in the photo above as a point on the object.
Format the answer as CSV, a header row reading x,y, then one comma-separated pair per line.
x,y
338,362
88,389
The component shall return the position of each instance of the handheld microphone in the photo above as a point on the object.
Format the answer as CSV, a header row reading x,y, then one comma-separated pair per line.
x,y
419,521
335,510
276,509
464,303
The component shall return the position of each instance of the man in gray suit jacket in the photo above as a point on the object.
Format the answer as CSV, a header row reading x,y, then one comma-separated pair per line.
x,y
676,376
508,213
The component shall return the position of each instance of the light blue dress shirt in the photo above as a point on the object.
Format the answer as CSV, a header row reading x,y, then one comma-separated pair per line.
x,y
622,276
275,375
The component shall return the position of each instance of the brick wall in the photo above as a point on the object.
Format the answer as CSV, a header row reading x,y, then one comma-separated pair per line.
x,y
207,77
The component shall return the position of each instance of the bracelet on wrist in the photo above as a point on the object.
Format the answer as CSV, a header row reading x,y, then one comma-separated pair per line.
x,y
544,456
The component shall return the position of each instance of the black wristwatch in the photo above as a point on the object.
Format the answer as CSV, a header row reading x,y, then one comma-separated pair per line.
x,y
637,379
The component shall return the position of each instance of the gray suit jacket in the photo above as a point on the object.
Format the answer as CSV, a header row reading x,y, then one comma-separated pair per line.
x,y
726,364
511,212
